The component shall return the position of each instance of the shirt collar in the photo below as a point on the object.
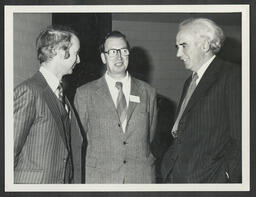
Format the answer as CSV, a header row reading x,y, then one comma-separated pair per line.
x,y
50,78
203,68
113,81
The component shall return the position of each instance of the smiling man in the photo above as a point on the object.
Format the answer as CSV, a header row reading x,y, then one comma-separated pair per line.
x,y
118,114
207,130
44,121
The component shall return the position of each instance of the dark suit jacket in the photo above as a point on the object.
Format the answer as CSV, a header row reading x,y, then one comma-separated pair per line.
x,y
42,153
208,146
113,156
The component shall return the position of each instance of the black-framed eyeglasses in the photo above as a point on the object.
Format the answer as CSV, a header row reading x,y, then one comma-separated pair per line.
x,y
114,52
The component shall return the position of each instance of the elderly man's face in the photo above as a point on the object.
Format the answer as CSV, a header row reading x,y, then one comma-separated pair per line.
x,y
116,65
189,50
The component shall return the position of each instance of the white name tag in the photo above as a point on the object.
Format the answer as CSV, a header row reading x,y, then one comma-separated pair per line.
x,y
134,99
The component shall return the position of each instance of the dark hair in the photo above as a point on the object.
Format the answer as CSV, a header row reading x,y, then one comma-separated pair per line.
x,y
52,38
113,34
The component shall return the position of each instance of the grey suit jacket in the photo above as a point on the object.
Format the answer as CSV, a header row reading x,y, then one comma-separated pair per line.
x,y
113,156
42,153
208,146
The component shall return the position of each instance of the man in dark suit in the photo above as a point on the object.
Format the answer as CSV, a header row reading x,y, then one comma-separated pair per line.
x,y
118,114
207,130
44,121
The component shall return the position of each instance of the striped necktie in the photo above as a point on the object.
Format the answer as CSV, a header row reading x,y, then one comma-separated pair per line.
x,y
61,97
121,105
60,94
190,91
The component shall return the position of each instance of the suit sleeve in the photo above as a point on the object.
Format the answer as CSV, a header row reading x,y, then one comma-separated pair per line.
x,y
80,106
153,115
24,115
233,102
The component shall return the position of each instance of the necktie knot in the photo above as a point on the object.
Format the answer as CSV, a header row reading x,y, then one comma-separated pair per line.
x,y
119,85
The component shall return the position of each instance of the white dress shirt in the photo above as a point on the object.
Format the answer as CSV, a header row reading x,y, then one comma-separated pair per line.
x,y
203,68
126,81
51,80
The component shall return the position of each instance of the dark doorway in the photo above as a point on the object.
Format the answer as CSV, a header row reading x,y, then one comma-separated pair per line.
x,y
91,28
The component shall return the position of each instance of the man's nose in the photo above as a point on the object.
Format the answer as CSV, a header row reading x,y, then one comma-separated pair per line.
x,y
179,52
118,53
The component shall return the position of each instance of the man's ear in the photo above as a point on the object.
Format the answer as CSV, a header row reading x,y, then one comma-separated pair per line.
x,y
205,45
61,53
103,58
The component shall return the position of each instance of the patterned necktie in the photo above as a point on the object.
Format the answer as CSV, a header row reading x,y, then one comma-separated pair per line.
x,y
121,105
60,94
61,97
66,122
190,91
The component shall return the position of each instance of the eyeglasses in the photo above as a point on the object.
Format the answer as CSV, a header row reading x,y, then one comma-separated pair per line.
x,y
113,52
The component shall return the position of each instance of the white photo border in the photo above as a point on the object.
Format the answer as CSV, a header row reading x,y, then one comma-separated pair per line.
x,y
8,51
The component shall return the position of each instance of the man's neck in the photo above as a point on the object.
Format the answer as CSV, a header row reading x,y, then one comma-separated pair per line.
x,y
51,67
117,76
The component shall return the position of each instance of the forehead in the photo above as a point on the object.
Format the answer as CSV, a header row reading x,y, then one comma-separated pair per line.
x,y
75,42
185,36
115,43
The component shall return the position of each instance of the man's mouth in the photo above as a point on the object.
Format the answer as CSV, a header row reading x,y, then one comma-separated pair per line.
x,y
184,59
119,64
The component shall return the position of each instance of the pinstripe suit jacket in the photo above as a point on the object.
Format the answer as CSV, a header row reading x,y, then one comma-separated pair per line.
x,y
208,146
113,156
41,150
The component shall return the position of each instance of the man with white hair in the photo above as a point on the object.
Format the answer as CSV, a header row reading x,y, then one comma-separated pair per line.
x,y
207,130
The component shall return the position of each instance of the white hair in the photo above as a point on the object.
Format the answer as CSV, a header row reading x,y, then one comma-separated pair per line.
x,y
205,28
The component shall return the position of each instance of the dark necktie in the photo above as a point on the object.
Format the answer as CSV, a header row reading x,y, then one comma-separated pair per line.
x,y
66,121
61,97
121,105
190,91
60,94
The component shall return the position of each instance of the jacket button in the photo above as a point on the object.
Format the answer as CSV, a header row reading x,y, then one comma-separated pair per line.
x,y
119,125
124,161
124,142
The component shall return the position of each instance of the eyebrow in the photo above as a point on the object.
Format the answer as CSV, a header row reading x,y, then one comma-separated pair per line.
x,y
181,44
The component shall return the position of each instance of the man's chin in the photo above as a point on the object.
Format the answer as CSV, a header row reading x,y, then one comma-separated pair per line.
x,y
69,73
187,66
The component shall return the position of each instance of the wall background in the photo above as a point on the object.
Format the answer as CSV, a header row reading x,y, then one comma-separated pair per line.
x,y
26,29
152,36
155,36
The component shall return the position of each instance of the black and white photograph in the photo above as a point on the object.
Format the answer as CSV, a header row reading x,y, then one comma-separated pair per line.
x,y
127,98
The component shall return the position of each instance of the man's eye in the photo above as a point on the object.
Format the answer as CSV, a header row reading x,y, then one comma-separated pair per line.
x,y
112,51
184,46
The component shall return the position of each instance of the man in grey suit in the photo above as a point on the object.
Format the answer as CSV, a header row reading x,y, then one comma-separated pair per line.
x,y
118,114
207,130
44,121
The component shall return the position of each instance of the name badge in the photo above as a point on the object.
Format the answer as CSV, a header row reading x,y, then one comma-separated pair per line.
x,y
134,99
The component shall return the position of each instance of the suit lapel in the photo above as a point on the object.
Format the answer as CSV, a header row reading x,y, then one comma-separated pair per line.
x,y
51,101
135,91
205,83
104,93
